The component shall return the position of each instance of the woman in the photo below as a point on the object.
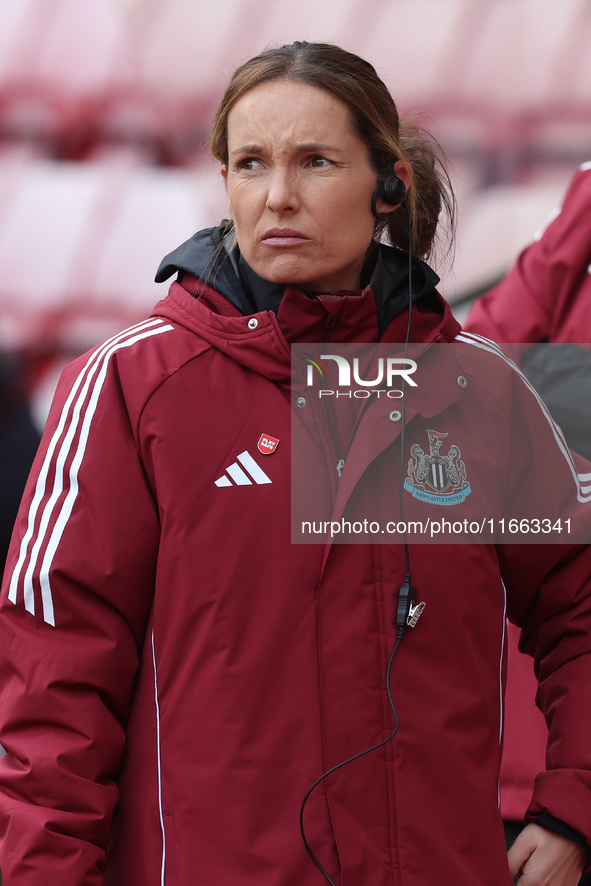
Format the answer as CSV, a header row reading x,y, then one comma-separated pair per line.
x,y
172,658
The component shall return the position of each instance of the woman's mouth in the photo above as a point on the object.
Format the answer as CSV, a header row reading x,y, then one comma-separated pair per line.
x,y
284,237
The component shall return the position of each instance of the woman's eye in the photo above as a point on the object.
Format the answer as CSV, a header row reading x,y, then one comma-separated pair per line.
x,y
319,162
249,163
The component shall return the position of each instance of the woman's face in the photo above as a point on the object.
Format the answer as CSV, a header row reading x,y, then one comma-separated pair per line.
x,y
299,186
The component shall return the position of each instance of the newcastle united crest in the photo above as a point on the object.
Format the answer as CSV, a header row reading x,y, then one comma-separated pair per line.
x,y
437,478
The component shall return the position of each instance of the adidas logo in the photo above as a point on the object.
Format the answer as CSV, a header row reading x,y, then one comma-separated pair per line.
x,y
252,473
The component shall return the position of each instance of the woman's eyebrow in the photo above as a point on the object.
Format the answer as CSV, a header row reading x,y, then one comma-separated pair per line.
x,y
310,147
318,146
248,149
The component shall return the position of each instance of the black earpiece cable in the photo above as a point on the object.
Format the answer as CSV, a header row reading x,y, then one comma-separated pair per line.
x,y
405,594
402,409
350,760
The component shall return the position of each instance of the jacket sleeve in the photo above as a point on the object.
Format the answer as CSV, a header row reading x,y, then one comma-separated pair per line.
x,y
556,627
73,612
532,302
549,598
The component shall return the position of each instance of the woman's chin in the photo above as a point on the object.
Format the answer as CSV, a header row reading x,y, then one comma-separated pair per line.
x,y
283,270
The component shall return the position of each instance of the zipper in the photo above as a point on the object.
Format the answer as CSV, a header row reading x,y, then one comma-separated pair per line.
x,y
330,321
332,430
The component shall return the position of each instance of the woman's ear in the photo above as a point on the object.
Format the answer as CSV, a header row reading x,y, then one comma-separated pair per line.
x,y
224,171
402,173
380,204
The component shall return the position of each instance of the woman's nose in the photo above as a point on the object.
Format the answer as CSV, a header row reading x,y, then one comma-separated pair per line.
x,y
282,195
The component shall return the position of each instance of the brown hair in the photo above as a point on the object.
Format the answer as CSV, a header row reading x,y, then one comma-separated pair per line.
x,y
354,81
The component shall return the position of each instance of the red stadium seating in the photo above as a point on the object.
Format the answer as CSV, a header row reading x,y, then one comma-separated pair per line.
x,y
80,244
65,68
130,86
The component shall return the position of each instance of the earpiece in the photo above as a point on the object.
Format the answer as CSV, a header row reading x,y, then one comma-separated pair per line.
x,y
392,189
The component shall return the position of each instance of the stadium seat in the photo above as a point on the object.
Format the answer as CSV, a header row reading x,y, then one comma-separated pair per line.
x,y
282,22
494,225
66,66
416,61
15,15
40,231
80,242
152,211
515,72
512,63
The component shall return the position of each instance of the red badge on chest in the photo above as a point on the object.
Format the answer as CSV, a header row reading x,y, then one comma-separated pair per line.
x,y
267,444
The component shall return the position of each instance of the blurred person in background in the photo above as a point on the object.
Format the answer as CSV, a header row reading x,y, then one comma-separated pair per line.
x,y
19,439
545,298
187,697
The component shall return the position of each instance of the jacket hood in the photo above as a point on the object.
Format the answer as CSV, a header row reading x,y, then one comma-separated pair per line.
x,y
216,295
207,255
211,255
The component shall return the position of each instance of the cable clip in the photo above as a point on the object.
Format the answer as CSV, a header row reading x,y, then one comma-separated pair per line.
x,y
414,613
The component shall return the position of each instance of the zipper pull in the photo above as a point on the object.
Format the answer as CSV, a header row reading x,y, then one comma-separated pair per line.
x,y
340,467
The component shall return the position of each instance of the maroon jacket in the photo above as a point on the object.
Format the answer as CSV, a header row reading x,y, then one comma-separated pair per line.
x,y
176,673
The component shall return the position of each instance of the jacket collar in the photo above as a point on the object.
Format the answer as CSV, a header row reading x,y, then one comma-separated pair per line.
x,y
377,311
212,255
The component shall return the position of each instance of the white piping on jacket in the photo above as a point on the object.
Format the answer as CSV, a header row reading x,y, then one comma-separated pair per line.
x,y
157,704
96,366
501,702
478,341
